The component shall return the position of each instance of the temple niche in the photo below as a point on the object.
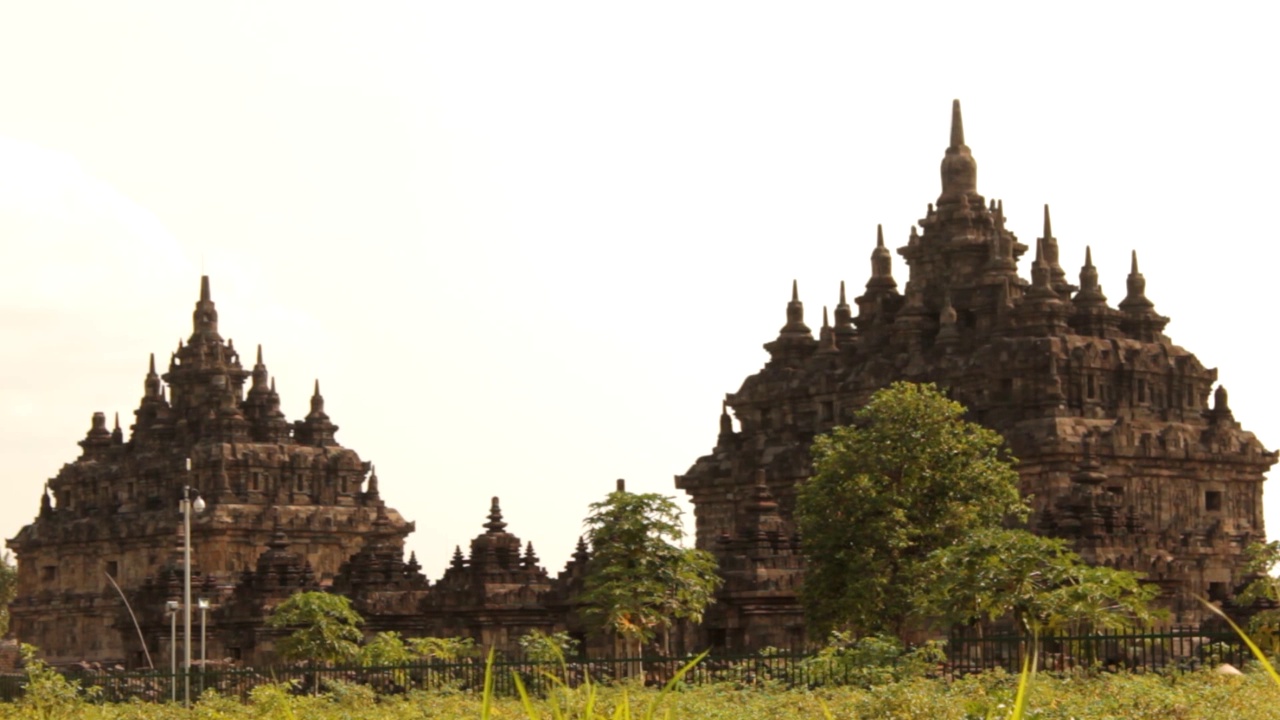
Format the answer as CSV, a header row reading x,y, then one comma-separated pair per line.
x,y
1120,447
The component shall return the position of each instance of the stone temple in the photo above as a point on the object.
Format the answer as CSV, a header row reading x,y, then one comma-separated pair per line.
x,y
1125,446
288,509
1119,445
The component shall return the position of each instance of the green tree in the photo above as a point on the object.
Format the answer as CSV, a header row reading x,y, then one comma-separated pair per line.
x,y
1038,581
910,476
1262,593
325,628
8,590
640,580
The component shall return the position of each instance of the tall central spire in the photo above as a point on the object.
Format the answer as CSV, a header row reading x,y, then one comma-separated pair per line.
x,y
204,321
957,125
959,170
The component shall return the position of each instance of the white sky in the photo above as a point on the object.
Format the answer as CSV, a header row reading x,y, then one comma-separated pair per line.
x,y
527,247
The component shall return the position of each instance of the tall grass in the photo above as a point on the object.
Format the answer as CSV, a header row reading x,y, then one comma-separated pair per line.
x,y
563,699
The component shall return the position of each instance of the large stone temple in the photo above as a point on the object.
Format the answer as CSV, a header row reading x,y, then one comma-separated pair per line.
x,y
1119,446
1124,444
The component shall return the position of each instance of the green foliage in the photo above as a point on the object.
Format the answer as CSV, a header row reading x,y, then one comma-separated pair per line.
x,y
449,649
1183,696
46,693
1045,586
8,589
910,476
872,660
385,649
639,579
541,647
1263,589
325,628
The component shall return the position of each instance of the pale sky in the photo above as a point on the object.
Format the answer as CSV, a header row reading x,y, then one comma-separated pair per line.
x,y
528,247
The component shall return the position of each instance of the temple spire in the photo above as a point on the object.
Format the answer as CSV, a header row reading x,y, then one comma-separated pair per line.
x,y
844,317
827,335
726,422
151,385
1090,294
957,125
959,170
204,320
317,404
1140,320
1057,276
495,524
795,326
1136,300
881,265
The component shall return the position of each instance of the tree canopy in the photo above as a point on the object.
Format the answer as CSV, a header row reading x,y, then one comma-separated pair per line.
x,y
1039,581
908,477
326,628
639,579
907,517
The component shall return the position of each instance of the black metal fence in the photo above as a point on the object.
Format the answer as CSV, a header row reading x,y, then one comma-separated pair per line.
x,y
1176,649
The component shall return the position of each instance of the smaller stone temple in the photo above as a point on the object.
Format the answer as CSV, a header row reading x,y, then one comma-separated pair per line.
x,y
288,510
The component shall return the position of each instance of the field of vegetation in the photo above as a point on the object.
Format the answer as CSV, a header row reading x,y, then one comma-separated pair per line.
x,y
1202,694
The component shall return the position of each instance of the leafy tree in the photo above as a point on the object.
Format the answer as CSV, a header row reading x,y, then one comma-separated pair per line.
x,y
639,579
8,590
1039,581
1262,592
910,476
326,628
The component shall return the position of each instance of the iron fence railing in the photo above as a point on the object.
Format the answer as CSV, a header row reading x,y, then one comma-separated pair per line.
x,y
1179,648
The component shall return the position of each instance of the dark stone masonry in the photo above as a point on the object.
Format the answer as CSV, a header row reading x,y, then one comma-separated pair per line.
x,y
1120,446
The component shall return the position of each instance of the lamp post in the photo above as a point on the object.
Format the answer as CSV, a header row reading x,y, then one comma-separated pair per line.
x,y
187,506
172,607
203,604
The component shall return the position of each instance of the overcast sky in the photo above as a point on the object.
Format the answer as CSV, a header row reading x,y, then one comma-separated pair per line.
x,y
528,247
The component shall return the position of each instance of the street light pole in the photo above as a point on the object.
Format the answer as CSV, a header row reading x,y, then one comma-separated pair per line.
x,y
172,607
187,506
203,604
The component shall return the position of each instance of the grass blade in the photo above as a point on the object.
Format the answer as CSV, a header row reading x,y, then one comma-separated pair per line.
x,y
525,702
1257,651
486,702
671,684
1024,681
